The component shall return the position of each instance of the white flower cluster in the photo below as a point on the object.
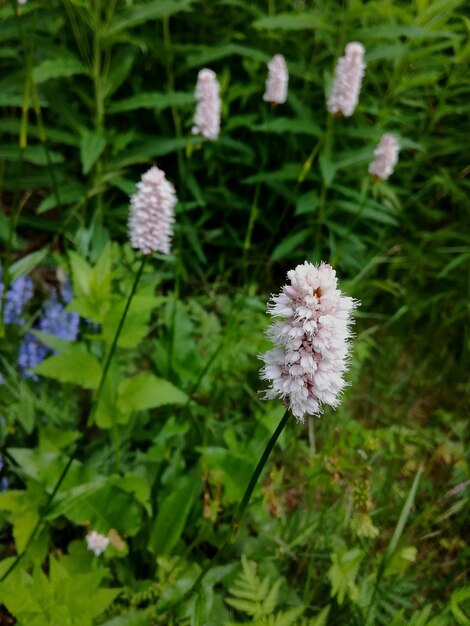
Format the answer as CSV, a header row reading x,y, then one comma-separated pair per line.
x,y
347,82
207,116
151,216
385,157
312,341
96,543
277,81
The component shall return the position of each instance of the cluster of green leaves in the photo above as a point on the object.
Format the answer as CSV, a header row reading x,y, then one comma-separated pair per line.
x,y
93,92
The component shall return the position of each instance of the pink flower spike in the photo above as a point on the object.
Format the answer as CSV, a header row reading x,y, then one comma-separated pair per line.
x,y
347,82
385,157
152,216
277,81
207,116
312,342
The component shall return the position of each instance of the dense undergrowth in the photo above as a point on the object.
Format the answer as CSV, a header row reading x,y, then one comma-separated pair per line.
x,y
361,517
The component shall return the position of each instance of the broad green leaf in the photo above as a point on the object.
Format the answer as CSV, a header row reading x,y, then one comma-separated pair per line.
x,y
91,148
146,391
31,154
144,12
68,194
172,515
287,21
152,100
75,365
60,68
237,470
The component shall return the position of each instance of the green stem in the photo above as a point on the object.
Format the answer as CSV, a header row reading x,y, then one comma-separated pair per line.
x,y
112,350
328,147
96,399
362,206
242,507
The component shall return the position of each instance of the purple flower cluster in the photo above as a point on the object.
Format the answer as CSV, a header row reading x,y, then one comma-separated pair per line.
x,y
19,294
3,481
54,320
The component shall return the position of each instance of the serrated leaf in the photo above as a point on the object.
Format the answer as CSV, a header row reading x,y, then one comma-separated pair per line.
x,y
146,391
60,68
91,148
75,365
152,100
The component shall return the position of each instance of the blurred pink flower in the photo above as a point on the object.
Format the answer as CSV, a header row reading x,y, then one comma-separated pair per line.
x,y
277,81
306,367
96,543
347,82
207,116
151,216
385,157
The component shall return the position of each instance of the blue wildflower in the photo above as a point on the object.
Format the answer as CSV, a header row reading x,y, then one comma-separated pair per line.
x,y
4,485
32,352
56,321
19,294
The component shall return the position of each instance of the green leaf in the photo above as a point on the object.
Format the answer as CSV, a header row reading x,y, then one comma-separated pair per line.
x,y
146,391
172,515
144,12
458,597
152,100
27,263
60,68
342,574
308,203
91,148
289,245
282,125
287,21
75,365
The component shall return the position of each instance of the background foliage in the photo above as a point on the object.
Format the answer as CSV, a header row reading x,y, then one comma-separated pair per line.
x,y
358,521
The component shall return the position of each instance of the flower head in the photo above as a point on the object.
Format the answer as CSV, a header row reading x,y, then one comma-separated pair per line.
x,y
385,157
207,116
306,367
151,213
277,81
347,82
96,543
18,295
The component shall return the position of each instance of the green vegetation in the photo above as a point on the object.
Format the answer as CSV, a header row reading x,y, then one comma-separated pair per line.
x,y
360,518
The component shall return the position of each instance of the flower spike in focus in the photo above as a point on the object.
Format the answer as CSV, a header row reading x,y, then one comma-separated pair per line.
x,y
152,213
306,367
